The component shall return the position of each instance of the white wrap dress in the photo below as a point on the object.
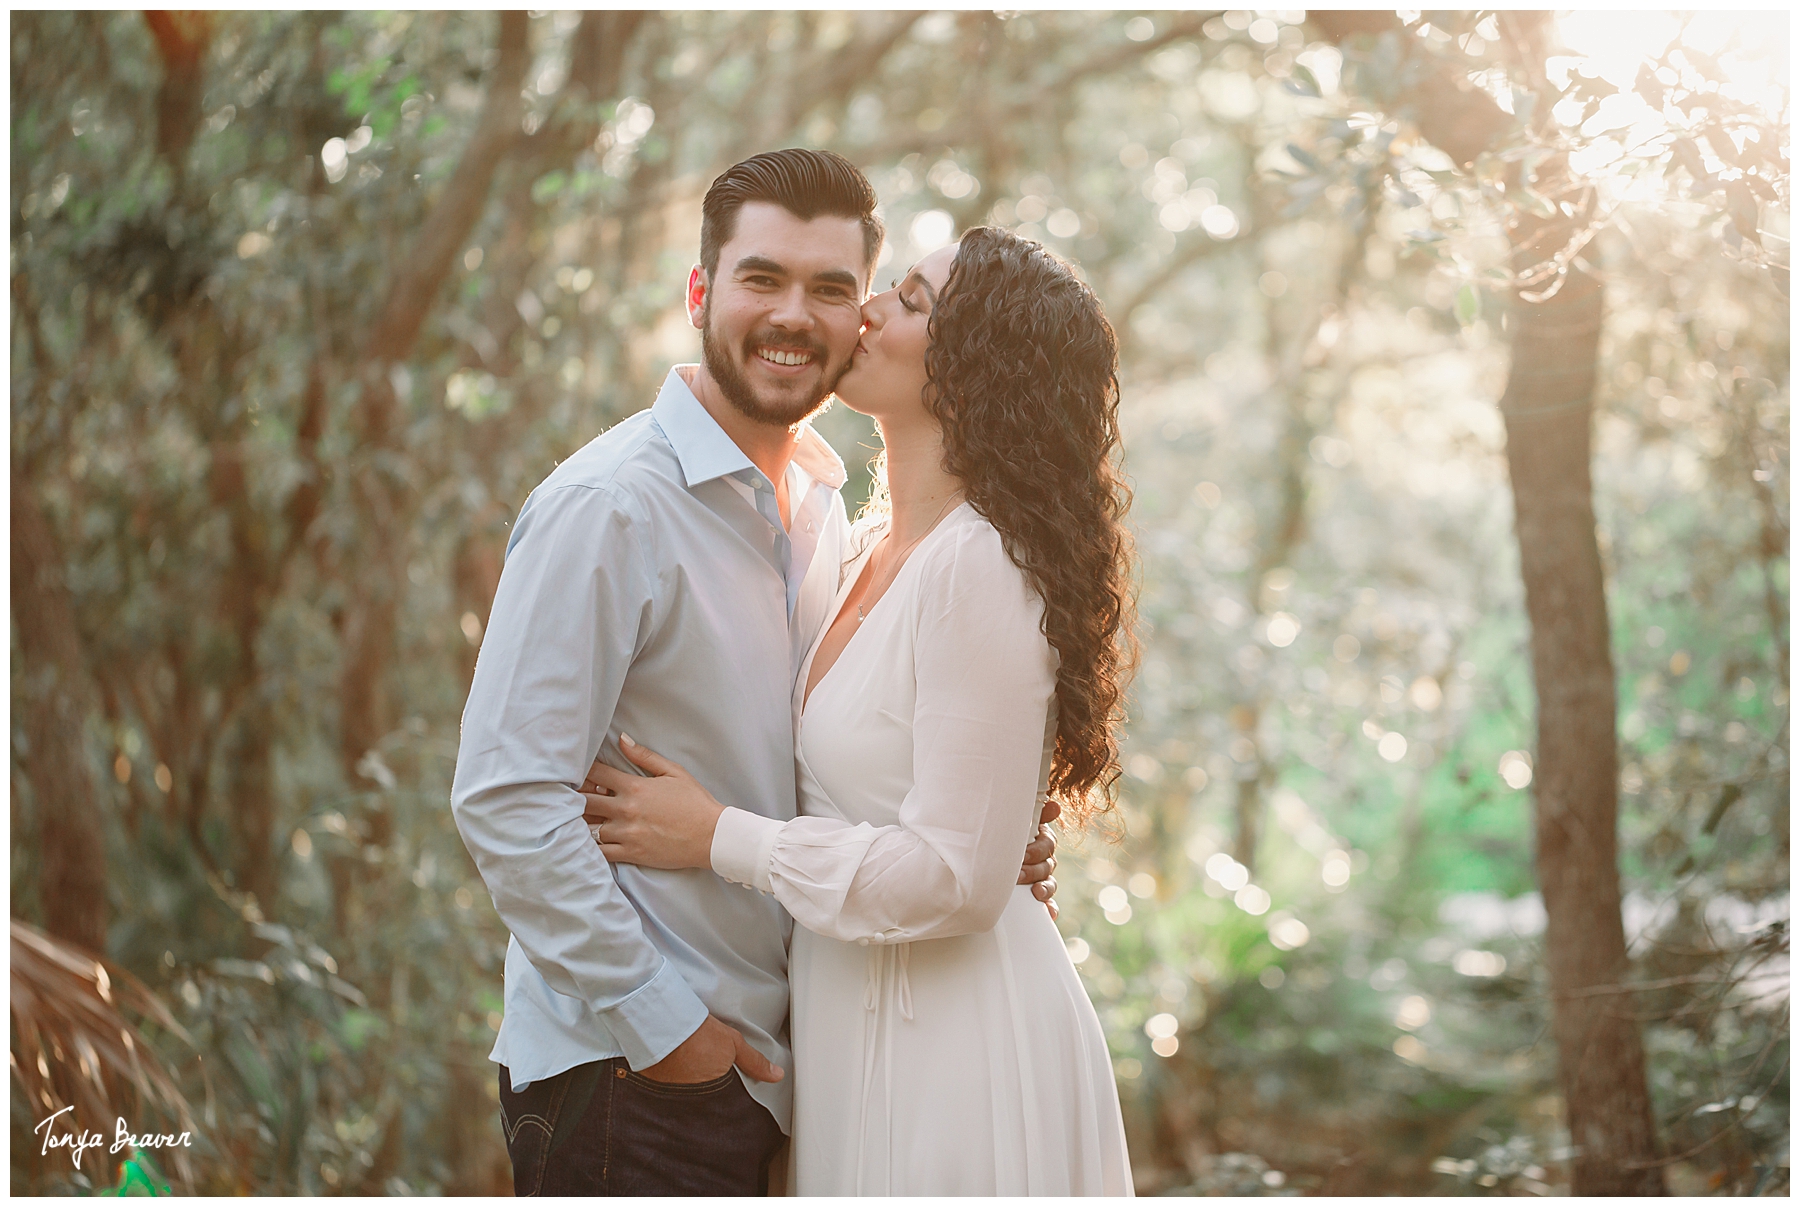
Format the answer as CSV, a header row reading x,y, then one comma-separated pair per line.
x,y
943,1043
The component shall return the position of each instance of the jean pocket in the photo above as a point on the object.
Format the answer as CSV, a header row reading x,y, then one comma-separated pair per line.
x,y
678,1089
531,1125
528,1145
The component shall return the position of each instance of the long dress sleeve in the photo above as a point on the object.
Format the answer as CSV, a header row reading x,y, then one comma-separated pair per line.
x,y
985,680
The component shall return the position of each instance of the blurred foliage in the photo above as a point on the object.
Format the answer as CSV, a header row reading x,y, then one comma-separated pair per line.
x,y
1320,912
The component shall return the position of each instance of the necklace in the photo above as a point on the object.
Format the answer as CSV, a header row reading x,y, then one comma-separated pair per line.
x,y
899,559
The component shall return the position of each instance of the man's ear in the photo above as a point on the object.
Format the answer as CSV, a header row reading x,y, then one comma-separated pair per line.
x,y
696,295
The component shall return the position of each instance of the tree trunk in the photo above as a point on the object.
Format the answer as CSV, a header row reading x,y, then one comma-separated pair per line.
x,y
70,829
1547,407
1600,1054
382,496
181,39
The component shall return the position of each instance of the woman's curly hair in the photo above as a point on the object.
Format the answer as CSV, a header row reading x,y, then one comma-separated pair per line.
x,y
1022,371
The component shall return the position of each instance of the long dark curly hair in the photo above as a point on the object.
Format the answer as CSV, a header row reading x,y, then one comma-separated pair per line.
x,y
1022,372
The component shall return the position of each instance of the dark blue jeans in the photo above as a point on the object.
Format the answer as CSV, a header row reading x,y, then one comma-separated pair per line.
x,y
601,1129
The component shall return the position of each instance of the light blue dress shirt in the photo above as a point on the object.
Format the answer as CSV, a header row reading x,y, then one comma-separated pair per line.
x,y
650,589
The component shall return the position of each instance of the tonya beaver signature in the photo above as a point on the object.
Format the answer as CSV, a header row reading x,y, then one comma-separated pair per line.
x,y
78,1141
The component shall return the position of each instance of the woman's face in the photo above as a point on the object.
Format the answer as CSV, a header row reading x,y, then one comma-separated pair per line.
x,y
886,378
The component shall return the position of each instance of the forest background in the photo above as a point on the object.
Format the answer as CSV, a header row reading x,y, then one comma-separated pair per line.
x,y
1453,848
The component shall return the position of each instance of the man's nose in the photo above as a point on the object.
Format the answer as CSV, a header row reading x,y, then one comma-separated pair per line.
x,y
792,311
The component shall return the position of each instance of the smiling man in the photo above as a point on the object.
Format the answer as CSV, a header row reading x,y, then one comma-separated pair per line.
x,y
664,582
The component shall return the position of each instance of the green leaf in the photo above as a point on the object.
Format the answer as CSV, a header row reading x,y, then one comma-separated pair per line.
x,y
548,186
1304,82
1303,157
1704,63
1468,304
1763,189
1592,86
1740,203
1524,105
1532,203
1687,154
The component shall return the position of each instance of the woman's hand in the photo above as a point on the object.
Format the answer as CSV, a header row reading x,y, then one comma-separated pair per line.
x,y
1040,859
665,820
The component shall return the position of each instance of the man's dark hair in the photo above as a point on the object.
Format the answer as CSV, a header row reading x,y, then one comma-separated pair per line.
x,y
803,182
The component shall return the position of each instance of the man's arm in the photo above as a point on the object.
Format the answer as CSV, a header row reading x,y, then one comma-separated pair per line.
x,y
573,606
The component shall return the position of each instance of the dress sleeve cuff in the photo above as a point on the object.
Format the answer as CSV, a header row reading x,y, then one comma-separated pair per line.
x,y
743,847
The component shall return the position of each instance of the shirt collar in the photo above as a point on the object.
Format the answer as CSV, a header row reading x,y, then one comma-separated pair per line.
x,y
818,458
706,452
700,444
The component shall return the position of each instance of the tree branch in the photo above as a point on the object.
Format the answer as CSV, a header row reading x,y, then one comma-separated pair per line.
x,y
1184,258
1187,26
1454,116
423,272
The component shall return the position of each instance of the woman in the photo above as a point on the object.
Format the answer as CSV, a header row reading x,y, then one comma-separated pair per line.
x,y
943,1043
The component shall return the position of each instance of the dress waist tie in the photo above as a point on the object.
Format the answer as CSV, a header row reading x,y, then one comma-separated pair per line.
x,y
884,960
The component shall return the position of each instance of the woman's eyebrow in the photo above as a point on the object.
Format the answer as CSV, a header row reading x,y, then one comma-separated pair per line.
x,y
930,293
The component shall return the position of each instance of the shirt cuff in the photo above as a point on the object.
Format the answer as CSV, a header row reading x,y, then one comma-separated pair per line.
x,y
656,1018
743,847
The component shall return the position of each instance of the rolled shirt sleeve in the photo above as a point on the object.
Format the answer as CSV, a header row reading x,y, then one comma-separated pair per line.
x,y
573,607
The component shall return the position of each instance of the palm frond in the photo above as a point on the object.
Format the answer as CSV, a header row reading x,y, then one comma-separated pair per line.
x,y
75,1045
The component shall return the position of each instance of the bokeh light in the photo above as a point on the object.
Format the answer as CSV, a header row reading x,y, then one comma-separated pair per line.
x,y
1473,963
931,230
1515,768
1414,1012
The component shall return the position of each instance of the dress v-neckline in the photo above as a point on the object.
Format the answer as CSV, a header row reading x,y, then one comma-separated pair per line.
x,y
837,605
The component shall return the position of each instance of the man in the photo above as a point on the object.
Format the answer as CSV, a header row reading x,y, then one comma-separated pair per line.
x,y
664,582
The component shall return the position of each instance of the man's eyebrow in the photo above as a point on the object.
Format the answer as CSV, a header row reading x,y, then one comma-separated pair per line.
x,y
761,264
830,276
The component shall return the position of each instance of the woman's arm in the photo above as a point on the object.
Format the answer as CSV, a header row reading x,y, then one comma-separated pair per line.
x,y
985,677
666,819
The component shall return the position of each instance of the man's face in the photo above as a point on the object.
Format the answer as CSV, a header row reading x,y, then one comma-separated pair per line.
x,y
782,313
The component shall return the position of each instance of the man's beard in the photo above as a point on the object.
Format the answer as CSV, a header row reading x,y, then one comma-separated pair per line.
x,y
736,387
